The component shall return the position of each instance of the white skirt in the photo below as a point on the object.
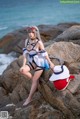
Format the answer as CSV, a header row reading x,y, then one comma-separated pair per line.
x,y
41,62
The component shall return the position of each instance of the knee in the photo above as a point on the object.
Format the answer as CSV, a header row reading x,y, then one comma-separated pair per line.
x,y
22,71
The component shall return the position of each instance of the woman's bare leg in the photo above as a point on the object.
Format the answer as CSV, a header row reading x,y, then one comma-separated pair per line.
x,y
25,70
35,78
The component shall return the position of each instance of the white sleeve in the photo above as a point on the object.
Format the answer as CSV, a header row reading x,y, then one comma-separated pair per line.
x,y
25,51
44,54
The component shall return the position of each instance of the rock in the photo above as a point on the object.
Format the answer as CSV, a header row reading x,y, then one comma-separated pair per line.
x,y
16,85
4,101
70,102
2,91
48,102
49,32
66,51
21,91
62,100
50,115
75,67
54,101
67,25
74,84
9,80
15,41
77,95
37,111
72,34
9,109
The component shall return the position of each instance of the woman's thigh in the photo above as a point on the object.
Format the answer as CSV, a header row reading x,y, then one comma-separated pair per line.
x,y
37,74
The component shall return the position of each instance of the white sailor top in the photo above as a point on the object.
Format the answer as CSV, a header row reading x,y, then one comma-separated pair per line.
x,y
35,56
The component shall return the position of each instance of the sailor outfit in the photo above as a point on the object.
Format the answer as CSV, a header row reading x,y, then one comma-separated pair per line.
x,y
35,56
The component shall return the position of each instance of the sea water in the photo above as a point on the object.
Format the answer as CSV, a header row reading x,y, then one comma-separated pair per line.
x,y
5,60
15,14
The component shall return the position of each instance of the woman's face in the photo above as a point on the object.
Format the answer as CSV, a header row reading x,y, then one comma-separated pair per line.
x,y
32,35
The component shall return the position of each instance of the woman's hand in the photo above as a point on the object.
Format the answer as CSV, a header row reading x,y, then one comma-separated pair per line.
x,y
21,69
51,65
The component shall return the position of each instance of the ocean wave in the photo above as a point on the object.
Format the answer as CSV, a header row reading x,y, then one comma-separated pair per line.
x,y
3,28
24,25
5,60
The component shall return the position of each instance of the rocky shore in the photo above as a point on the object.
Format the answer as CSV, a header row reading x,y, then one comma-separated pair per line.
x,y
61,41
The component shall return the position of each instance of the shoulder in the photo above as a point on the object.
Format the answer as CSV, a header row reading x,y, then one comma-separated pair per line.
x,y
41,45
40,42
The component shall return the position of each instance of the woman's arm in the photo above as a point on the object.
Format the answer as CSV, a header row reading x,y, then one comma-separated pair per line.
x,y
24,60
24,56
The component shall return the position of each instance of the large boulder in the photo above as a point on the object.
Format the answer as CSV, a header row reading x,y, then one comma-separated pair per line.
x,y
49,32
72,34
13,41
68,52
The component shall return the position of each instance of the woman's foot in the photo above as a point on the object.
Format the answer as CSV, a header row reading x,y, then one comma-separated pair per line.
x,y
26,102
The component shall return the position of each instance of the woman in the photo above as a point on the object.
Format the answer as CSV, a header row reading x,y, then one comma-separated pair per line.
x,y
37,57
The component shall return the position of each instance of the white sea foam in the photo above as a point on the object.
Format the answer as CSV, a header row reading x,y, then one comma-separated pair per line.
x,y
5,60
3,28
